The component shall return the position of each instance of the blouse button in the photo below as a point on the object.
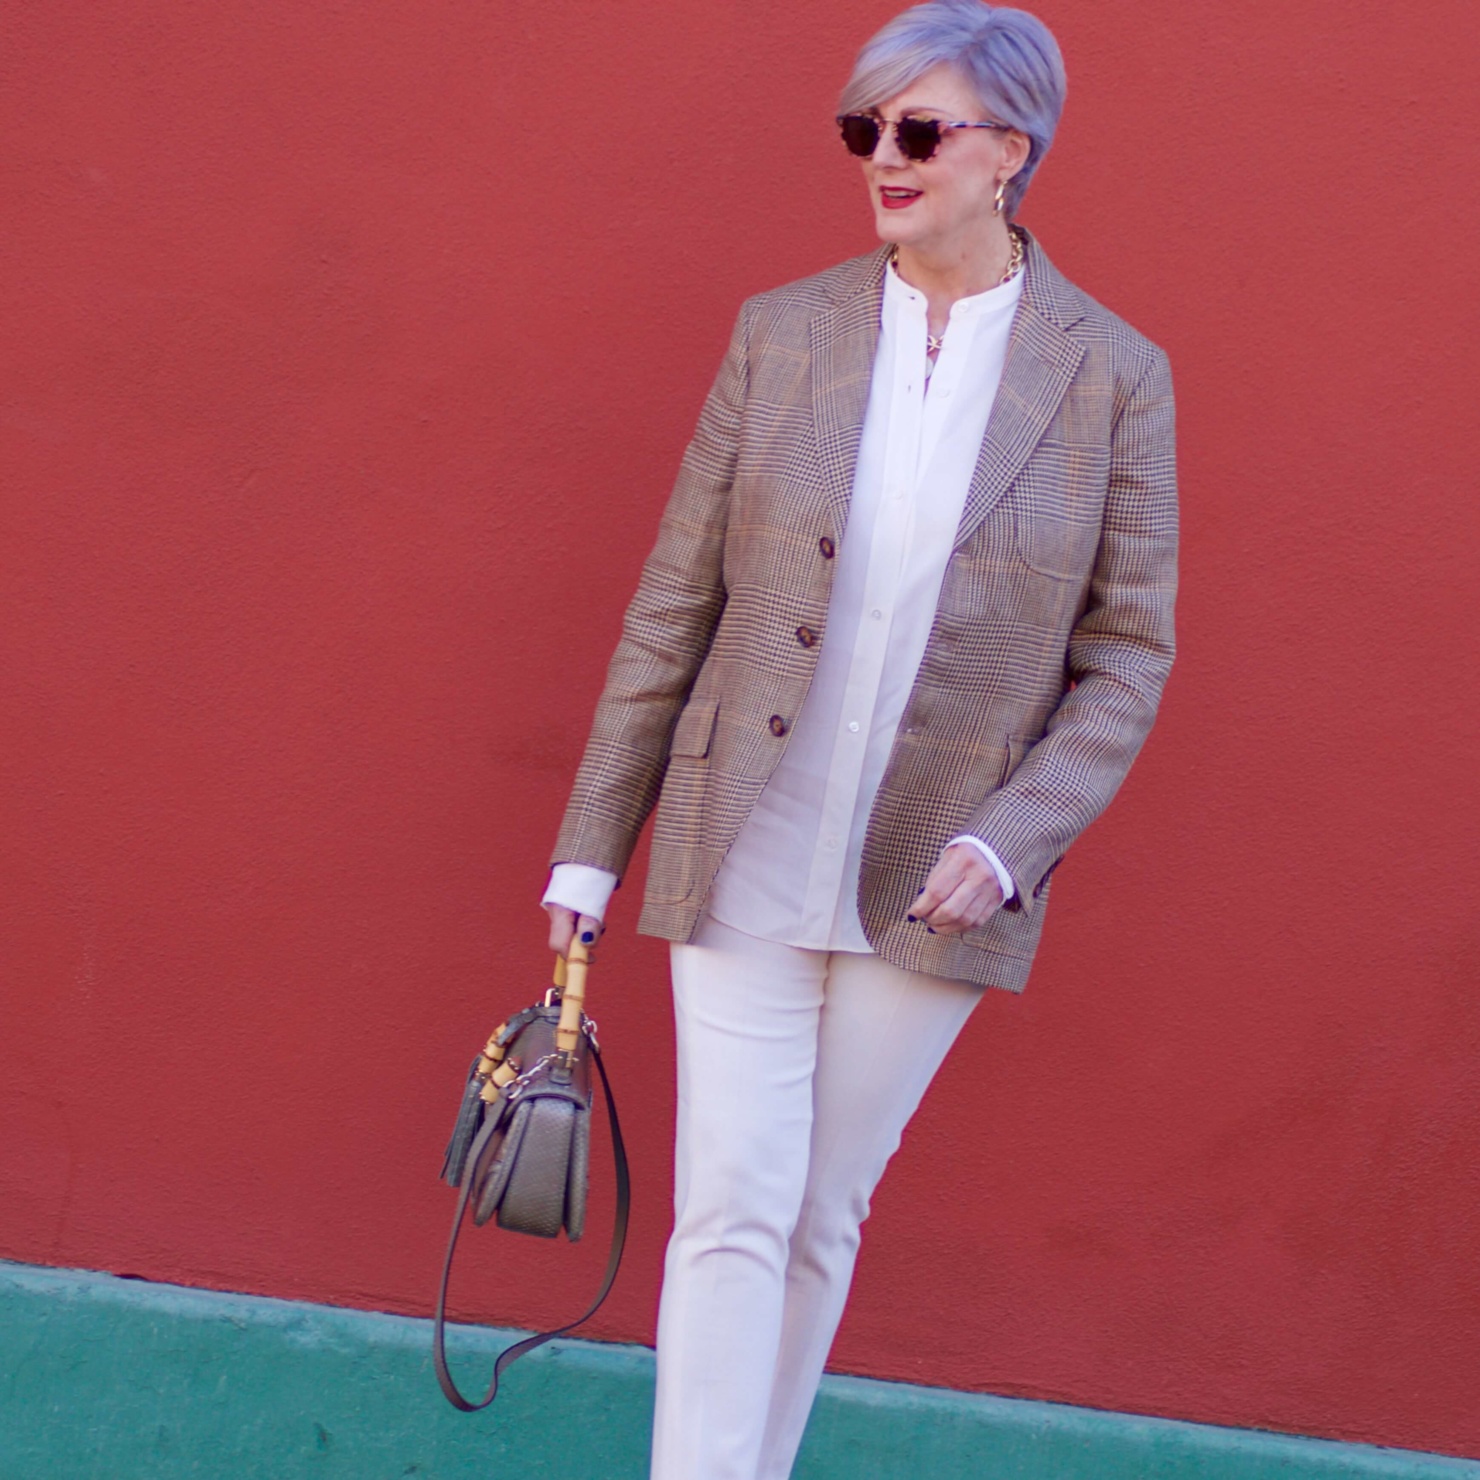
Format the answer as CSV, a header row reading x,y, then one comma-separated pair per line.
x,y
806,636
827,547
778,725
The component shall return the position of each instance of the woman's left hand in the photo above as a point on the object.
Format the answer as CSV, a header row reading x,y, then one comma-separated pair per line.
x,y
961,893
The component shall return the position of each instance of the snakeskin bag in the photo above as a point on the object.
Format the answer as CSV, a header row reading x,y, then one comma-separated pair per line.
x,y
520,1149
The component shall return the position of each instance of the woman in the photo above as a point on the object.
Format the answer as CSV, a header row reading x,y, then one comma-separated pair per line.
x,y
905,627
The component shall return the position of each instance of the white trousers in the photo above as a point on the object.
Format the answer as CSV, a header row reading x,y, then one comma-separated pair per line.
x,y
797,1072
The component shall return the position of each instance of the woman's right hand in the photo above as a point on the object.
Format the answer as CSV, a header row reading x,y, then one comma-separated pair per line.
x,y
565,923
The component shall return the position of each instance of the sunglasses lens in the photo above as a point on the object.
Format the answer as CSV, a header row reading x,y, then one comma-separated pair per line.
x,y
860,134
919,138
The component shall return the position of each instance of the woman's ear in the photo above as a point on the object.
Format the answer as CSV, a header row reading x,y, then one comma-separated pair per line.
x,y
1016,148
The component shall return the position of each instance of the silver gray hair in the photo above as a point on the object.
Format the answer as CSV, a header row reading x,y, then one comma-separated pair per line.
x,y
1008,57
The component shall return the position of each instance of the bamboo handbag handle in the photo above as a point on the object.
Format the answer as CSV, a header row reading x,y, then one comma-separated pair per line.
x,y
570,979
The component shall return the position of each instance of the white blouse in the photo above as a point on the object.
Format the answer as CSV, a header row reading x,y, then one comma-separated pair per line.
x,y
792,874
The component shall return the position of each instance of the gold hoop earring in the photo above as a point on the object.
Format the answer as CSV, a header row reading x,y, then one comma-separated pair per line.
x,y
1001,201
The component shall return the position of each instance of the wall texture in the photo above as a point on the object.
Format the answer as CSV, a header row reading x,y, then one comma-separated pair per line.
x,y
349,354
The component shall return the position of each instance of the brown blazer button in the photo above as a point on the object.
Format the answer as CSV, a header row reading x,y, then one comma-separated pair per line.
x,y
806,636
778,725
827,547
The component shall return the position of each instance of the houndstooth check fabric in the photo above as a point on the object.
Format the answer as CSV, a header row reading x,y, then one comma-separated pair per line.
x,y
1052,639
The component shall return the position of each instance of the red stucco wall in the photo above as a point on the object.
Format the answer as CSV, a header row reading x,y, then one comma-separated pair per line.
x,y
349,355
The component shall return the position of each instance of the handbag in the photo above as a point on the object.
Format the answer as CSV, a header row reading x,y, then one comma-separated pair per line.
x,y
520,1147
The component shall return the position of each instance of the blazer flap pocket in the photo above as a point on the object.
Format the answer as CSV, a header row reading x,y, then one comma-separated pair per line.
x,y
695,728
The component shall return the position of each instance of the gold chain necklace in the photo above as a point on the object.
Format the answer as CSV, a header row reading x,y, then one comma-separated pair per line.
x,y
934,343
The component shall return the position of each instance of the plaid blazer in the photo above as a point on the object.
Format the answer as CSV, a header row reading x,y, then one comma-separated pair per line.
x,y
1051,643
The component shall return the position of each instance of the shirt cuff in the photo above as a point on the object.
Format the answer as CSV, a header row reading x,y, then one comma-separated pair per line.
x,y
582,888
1004,879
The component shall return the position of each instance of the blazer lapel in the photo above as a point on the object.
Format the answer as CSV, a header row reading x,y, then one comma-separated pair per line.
x,y
844,339
1041,361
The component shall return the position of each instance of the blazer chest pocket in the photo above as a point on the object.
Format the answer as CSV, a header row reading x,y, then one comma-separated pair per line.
x,y
695,728
1057,534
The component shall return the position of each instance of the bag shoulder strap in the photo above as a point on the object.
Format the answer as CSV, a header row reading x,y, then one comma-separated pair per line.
x,y
613,1259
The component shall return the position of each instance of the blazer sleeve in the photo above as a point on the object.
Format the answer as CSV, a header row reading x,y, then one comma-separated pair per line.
x,y
666,634
1119,654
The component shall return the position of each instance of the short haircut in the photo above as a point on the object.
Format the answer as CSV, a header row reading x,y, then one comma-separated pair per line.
x,y
1009,58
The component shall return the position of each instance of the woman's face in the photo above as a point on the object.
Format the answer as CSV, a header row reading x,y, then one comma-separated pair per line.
x,y
950,197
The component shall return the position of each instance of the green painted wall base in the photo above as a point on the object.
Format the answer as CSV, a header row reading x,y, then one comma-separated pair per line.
x,y
111,1379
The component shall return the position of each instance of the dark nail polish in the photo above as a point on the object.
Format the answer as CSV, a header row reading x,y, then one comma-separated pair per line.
x,y
587,936
931,929
912,919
